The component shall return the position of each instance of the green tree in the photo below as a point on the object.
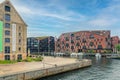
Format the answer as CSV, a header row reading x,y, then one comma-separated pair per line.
x,y
117,47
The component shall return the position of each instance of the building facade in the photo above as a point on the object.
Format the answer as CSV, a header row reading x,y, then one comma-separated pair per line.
x,y
114,41
32,45
84,41
41,44
13,33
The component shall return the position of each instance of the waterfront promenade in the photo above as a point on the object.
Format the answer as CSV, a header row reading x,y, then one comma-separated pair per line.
x,y
33,70
26,66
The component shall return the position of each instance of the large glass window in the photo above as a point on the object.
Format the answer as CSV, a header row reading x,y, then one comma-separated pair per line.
x,y
7,57
7,40
7,17
7,25
7,32
7,49
7,8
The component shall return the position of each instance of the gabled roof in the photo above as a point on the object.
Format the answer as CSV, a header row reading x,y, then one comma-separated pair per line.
x,y
4,2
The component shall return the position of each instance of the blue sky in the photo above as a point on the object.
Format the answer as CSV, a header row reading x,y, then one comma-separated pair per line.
x,y
53,17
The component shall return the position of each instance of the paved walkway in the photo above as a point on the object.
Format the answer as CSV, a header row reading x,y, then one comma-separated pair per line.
x,y
26,66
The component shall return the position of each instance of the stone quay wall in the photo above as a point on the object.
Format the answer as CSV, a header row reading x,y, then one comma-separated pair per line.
x,y
39,73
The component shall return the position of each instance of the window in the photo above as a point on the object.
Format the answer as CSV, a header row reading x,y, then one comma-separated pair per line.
x,y
91,44
58,45
19,40
84,47
72,35
7,32
7,49
106,39
19,34
19,57
7,17
7,40
19,27
7,25
7,57
77,44
67,39
91,36
72,41
7,8
67,45
72,47
99,46
19,49
84,41
77,37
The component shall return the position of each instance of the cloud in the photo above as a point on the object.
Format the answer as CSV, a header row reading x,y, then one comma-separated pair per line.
x,y
53,17
50,10
102,22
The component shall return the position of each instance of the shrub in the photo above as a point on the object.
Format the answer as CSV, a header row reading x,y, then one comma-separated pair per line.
x,y
7,62
30,59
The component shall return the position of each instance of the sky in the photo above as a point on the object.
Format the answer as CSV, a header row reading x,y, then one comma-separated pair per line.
x,y
54,17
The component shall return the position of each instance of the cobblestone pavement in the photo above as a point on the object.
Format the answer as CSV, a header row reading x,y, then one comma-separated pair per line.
x,y
27,66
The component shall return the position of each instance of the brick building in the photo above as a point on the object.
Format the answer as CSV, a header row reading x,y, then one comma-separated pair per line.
x,y
84,41
41,44
114,41
13,32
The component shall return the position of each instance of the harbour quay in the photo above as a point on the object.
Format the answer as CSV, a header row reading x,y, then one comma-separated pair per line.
x,y
34,70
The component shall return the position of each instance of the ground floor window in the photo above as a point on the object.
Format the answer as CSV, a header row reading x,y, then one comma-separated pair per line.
x,y
7,57
19,57
7,49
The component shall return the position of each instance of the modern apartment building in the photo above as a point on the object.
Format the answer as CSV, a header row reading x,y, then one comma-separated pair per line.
x,y
13,33
84,41
41,44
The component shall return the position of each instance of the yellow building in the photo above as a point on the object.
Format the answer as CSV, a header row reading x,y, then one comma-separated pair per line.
x,y
13,33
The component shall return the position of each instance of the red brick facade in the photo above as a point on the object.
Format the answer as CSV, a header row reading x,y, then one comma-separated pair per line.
x,y
84,41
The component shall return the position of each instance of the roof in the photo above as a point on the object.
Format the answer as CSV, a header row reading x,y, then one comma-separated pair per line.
x,y
14,9
89,31
42,37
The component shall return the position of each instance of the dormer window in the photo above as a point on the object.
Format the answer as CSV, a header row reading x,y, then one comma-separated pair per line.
x,y
7,8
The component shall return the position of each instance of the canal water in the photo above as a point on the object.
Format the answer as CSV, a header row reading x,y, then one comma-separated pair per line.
x,y
102,69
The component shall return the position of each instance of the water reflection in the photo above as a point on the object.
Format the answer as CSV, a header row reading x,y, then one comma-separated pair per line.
x,y
102,69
